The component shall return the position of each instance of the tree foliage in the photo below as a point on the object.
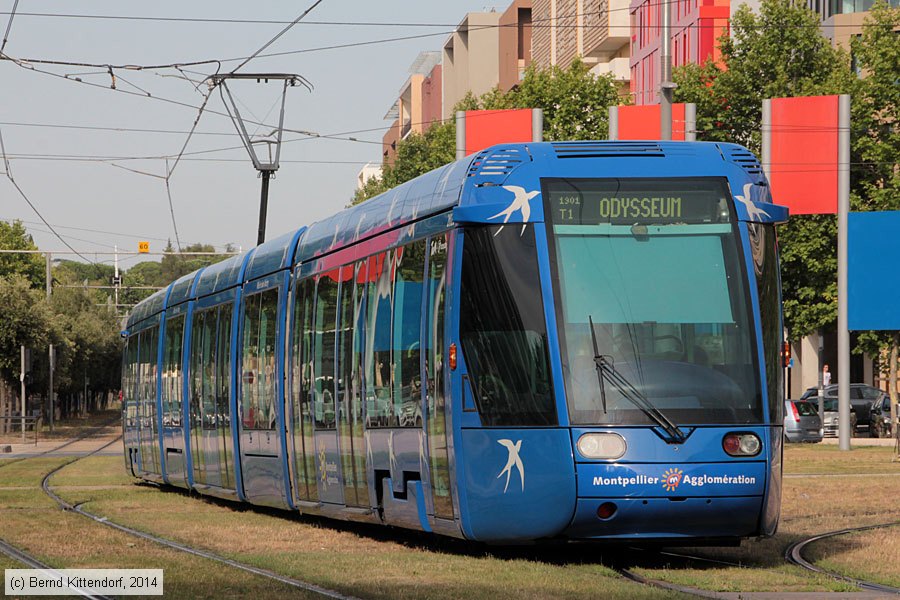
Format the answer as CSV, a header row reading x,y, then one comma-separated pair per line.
x,y
13,236
776,53
26,321
876,143
573,99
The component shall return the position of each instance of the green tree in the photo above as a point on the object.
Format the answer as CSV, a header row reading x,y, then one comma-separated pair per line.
x,y
13,236
173,266
778,52
416,155
88,347
876,125
573,99
26,321
144,274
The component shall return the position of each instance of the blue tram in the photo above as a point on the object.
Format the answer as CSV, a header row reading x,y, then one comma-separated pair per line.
x,y
575,340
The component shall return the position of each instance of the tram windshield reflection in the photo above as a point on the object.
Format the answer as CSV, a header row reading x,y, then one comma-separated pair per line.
x,y
655,262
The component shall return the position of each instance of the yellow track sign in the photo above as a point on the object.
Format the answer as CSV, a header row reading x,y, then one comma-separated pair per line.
x,y
143,247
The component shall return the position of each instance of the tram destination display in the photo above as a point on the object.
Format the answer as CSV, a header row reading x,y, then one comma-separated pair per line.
x,y
636,201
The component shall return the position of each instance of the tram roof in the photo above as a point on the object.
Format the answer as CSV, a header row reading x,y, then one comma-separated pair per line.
x,y
429,194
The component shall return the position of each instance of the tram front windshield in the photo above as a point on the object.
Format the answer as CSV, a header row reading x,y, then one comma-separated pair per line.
x,y
655,265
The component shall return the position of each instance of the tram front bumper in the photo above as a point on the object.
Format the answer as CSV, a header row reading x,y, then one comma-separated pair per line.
x,y
668,501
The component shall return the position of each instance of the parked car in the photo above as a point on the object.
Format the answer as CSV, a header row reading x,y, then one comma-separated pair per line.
x,y
801,422
880,417
861,398
831,420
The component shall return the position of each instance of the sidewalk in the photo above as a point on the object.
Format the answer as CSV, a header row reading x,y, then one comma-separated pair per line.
x,y
77,448
862,441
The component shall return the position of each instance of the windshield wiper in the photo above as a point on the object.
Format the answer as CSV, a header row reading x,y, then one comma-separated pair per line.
x,y
607,371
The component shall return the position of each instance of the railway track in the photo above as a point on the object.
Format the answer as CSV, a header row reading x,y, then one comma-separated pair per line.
x,y
794,555
77,508
33,563
89,433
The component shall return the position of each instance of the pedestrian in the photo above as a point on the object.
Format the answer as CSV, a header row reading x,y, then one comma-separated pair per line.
x,y
826,376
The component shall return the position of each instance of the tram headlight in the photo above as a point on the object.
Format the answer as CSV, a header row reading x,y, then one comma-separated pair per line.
x,y
601,445
741,444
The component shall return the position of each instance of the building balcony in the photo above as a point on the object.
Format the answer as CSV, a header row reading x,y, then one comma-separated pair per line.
x,y
618,67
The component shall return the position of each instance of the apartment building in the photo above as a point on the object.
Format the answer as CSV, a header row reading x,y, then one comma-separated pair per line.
x,y
842,20
596,30
471,59
696,26
515,43
418,105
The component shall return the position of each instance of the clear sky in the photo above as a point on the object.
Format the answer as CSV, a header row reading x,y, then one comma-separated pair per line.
x,y
214,201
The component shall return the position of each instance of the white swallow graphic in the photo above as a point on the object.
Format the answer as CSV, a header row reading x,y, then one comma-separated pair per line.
x,y
513,460
520,202
753,211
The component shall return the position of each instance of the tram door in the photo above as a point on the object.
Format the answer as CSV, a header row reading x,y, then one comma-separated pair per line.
x,y
350,352
302,435
323,388
148,433
211,444
171,391
434,341
260,446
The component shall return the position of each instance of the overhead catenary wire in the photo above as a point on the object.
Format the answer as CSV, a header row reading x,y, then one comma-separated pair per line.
x,y
12,15
278,35
237,21
536,23
121,234
34,208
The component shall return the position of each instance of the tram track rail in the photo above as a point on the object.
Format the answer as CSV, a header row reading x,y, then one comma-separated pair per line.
x,y
83,436
31,562
178,546
794,555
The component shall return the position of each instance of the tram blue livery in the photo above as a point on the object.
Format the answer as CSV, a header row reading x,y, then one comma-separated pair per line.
x,y
574,340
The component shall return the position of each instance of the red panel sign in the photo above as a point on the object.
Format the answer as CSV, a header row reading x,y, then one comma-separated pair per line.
x,y
643,122
488,127
803,169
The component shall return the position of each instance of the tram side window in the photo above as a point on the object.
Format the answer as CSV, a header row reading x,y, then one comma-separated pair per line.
x,y
379,405
128,381
149,345
347,380
259,352
407,376
502,327
171,375
324,342
223,376
763,245
207,355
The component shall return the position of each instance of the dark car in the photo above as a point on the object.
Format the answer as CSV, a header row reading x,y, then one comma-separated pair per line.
x,y
801,422
880,417
861,398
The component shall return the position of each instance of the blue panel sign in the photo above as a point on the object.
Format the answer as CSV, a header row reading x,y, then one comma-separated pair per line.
x,y
685,479
873,294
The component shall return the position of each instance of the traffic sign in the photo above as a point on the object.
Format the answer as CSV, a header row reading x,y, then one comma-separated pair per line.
x,y
143,247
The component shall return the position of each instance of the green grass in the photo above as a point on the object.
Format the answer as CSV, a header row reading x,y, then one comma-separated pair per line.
x,y
376,565
66,540
375,562
349,559
28,472
822,459
853,555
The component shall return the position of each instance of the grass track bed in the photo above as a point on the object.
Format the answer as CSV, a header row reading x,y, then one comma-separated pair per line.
x,y
374,562
853,555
